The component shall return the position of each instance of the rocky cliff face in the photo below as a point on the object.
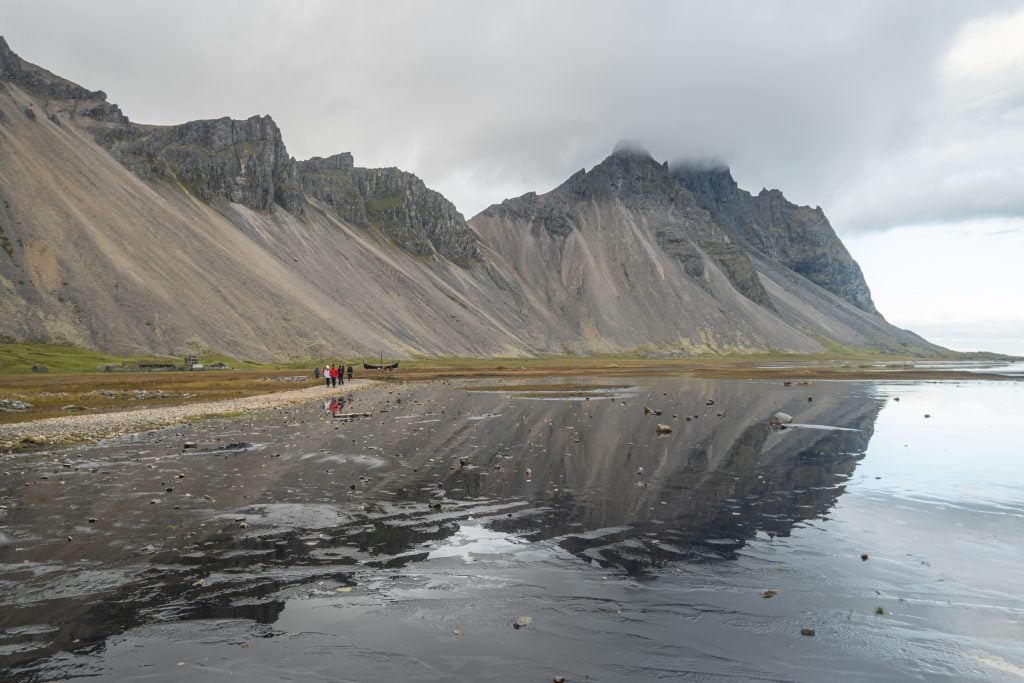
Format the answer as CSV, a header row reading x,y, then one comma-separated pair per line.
x,y
242,161
57,94
798,237
398,204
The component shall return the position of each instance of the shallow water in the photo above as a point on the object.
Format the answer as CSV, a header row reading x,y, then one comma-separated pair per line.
x,y
404,545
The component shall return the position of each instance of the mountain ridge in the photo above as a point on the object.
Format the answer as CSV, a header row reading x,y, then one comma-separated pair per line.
x,y
209,235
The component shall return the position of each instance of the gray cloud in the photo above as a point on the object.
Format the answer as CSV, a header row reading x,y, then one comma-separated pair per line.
x,y
852,106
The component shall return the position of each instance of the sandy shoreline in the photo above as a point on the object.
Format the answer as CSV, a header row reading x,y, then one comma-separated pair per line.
x,y
78,428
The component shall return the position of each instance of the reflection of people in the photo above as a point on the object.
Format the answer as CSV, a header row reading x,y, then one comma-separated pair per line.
x,y
350,373
333,407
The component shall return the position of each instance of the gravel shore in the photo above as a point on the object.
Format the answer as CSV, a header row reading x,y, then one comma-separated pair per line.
x,y
77,428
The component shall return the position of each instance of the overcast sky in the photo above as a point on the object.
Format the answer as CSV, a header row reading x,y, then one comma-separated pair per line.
x,y
903,120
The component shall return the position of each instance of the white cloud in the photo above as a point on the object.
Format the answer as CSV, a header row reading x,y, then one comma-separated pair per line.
x,y
963,157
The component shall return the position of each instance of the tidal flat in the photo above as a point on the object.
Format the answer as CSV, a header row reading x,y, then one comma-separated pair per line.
x,y
480,530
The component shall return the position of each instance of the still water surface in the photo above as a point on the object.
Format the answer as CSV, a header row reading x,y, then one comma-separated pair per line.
x,y
404,546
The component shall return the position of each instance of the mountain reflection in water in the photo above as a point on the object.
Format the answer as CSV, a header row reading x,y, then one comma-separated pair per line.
x,y
299,505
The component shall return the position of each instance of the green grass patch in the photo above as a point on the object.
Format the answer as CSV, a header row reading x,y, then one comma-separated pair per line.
x,y
380,206
18,358
5,243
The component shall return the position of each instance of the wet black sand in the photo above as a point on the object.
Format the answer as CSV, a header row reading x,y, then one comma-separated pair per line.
x,y
402,546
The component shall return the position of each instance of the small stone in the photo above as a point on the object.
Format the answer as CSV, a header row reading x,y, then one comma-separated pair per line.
x,y
770,593
864,557
529,472
189,444
807,631
92,520
70,539
521,622
558,679
154,501
663,428
456,632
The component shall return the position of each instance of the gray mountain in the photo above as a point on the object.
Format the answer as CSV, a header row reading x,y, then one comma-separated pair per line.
x,y
208,235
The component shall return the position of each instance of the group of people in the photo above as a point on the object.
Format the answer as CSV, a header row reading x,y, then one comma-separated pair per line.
x,y
333,374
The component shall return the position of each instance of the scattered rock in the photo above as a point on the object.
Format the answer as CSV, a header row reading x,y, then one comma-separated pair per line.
x,y
456,632
74,406
770,593
927,415
10,405
807,631
558,679
663,428
863,557
529,472
521,622
781,418
189,444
